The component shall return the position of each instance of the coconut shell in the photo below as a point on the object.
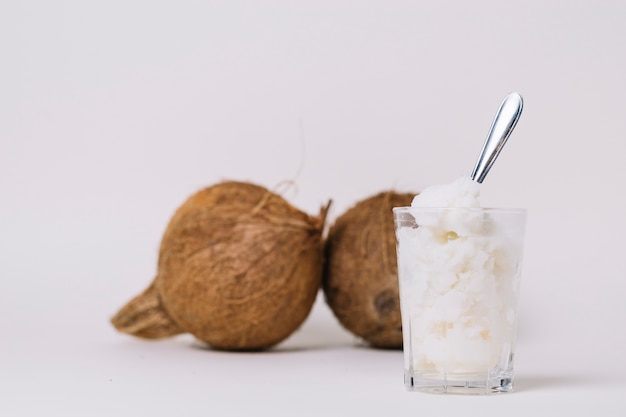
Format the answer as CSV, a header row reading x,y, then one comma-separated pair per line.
x,y
239,268
361,274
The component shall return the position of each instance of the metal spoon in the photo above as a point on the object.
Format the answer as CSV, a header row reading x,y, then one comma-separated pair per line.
x,y
503,124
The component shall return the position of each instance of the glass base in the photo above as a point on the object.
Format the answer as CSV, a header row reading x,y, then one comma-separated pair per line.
x,y
468,385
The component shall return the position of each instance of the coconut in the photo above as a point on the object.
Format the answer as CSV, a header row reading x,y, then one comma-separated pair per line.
x,y
361,274
239,268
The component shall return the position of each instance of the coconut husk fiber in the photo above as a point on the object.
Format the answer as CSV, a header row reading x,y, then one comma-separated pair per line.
x,y
239,268
361,273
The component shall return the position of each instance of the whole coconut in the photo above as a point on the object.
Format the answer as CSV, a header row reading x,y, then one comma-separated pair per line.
x,y
361,273
239,268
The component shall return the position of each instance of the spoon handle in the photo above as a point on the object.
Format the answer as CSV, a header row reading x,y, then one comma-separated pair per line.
x,y
503,124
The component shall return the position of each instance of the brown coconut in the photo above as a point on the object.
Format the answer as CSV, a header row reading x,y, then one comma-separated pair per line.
x,y
239,268
361,273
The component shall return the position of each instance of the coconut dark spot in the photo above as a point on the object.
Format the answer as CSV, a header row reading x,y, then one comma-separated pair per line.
x,y
386,302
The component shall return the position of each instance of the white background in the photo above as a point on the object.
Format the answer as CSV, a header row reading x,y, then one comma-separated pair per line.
x,y
113,112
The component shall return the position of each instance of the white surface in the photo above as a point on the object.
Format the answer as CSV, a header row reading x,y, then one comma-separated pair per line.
x,y
112,113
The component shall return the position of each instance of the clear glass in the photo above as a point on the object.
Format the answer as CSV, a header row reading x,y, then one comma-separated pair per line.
x,y
459,273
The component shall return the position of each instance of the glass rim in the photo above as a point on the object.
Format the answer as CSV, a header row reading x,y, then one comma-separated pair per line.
x,y
409,209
